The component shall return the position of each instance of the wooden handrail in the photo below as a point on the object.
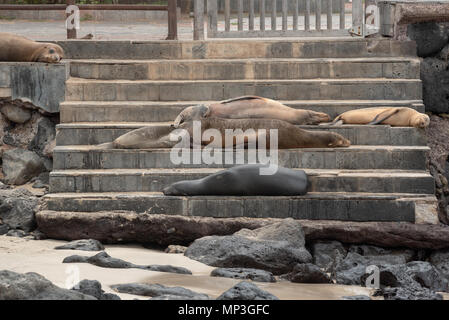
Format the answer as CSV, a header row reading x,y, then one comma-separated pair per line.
x,y
171,8
43,7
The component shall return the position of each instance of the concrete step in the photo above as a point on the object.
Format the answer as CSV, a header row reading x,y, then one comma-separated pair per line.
x,y
238,48
352,158
311,89
314,206
246,69
154,180
156,111
86,133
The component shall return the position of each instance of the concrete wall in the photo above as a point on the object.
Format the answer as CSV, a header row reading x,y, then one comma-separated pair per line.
x,y
39,83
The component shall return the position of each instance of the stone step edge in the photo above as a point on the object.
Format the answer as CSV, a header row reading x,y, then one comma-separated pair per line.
x,y
73,80
85,148
158,104
137,125
184,171
206,60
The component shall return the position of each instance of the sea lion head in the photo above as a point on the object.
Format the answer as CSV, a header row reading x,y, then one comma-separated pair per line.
x,y
49,53
197,112
336,140
420,120
317,117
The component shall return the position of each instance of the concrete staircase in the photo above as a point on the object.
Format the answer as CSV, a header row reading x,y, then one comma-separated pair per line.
x,y
116,87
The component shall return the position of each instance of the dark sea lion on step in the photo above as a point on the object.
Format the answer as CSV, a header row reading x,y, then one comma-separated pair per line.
x,y
289,136
20,49
244,180
394,116
251,107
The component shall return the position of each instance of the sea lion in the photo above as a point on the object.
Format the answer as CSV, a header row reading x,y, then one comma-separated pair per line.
x,y
243,180
251,107
289,136
20,49
394,116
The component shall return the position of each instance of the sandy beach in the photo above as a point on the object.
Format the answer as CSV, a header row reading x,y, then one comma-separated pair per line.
x,y
23,255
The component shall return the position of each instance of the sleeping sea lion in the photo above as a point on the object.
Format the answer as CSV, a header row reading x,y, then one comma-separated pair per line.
x,y
20,49
289,136
394,116
251,107
244,180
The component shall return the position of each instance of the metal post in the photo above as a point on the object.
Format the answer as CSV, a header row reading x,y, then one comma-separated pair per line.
x,y
198,20
172,20
71,33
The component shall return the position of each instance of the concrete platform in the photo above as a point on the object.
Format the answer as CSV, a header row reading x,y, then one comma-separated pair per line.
x,y
314,206
156,111
248,69
87,133
352,158
154,180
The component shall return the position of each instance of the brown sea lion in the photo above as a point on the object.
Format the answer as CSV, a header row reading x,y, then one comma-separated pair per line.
x,y
20,49
289,136
394,116
252,107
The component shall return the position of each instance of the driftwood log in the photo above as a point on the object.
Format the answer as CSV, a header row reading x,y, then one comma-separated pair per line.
x,y
124,226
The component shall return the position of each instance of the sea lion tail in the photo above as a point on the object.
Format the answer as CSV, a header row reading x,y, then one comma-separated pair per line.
x,y
105,146
381,117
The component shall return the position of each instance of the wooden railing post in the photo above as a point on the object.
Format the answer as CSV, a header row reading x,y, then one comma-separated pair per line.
x,y
198,20
172,20
71,33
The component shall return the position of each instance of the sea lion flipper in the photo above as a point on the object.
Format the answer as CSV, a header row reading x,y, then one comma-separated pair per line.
x,y
337,121
240,99
381,117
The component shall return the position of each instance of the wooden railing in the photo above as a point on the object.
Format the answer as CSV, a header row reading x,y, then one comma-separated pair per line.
x,y
308,27
71,34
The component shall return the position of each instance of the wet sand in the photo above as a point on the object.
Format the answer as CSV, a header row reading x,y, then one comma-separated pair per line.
x,y
22,255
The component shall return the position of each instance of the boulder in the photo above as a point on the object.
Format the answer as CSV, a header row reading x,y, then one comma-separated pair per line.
x,y
19,166
15,113
32,286
93,288
351,269
325,253
104,260
435,79
415,273
17,209
175,249
307,273
409,294
84,245
45,135
380,256
430,37
3,229
440,259
244,273
16,233
359,297
155,290
246,291
276,248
